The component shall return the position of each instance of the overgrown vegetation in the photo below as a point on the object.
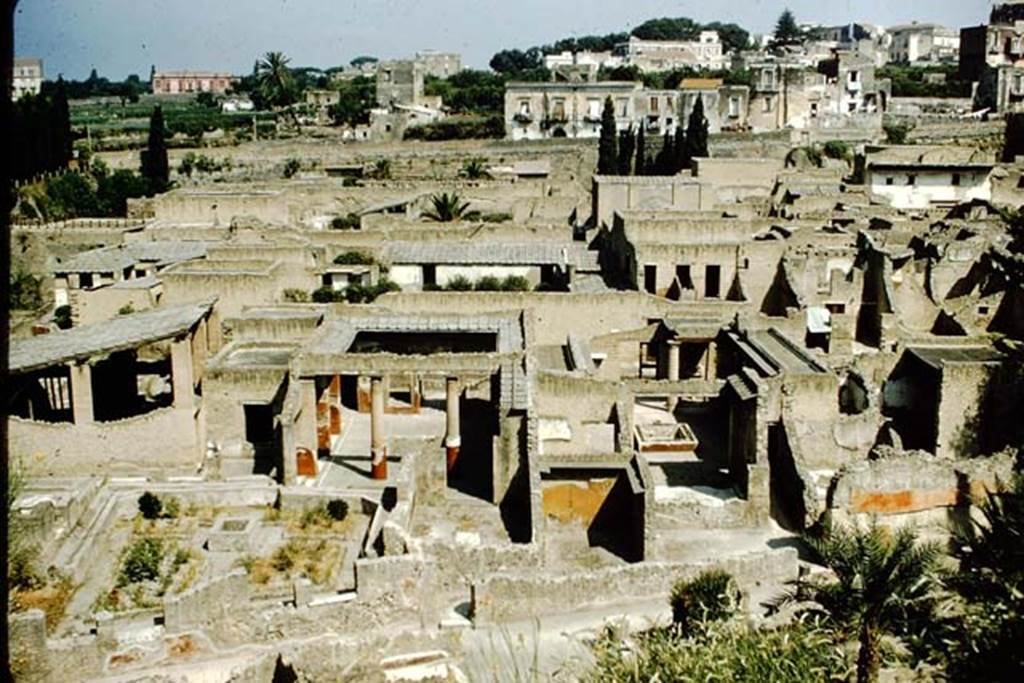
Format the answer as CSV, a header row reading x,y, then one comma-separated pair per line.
x,y
932,81
897,133
349,221
486,283
711,596
25,293
200,163
725,651
459,128
355,293
354,258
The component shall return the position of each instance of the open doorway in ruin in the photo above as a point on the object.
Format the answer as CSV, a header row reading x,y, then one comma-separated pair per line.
x,y
263,431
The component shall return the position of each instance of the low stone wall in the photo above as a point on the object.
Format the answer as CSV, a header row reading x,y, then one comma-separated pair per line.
x,y
206,602
165,439
916,482
505,597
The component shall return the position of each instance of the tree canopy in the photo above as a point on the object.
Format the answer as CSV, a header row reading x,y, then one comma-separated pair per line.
x,y
607,150
733,37
154,156
786,30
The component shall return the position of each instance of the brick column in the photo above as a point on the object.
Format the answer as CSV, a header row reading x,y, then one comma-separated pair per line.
x,y
378,440
81,392
452,438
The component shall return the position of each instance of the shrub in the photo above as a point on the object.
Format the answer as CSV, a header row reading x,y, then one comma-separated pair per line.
x,y
349,221
459,283
296,296
381,170
488,283
62,317
496,217
141,562
172,508
458,129
474,169
725,652
337,509
836,149
127,309
897,133
150,506
291,167
711,596
446,208
353,258
326,295
25,293
315,516
515,283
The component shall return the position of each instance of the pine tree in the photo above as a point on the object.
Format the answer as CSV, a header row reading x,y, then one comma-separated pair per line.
x,y
607,150
786,30
627,147
640,167
154,157
696,132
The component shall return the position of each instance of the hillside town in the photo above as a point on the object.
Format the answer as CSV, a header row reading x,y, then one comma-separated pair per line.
x,y
682,353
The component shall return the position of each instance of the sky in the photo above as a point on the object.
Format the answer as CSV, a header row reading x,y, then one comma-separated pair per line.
x,y
121,37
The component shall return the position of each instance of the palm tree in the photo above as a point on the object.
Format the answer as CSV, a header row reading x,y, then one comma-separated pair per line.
x,y
274,80
884,581
474,169
446,208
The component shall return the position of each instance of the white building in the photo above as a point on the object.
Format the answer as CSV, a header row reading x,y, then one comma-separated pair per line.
x,y
913,43
27,77
921,177
665,55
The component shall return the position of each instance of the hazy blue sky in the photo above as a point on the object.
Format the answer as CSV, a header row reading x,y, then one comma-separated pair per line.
x,y
119,37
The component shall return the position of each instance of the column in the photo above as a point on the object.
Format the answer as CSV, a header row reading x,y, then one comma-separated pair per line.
x,y
711,360
378,440
81,393
452,438
335,402
672,372
181,373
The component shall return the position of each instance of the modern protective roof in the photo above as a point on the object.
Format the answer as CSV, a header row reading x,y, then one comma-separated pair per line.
x,y
463,252
929,156
118,334
938,356
112,259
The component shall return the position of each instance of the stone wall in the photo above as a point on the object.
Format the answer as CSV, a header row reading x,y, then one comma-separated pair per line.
x,y
206,602
167,439
509,597
670,193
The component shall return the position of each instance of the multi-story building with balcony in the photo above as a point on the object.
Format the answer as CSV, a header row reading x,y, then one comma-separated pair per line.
x,y
993,55
27,77
916,43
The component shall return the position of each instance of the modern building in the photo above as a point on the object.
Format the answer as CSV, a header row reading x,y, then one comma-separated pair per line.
x,y
664,55
993,55
923,42
181,82
27,77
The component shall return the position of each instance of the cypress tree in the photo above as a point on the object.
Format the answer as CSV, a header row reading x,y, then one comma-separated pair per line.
x,y
607,150
640,167
60,127
696,132
154,157
663,162
679,160
627,146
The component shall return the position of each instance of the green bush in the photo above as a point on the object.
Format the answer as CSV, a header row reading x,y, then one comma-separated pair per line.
x,y
296,296
150,506
836,149
291,167
350,221
487,283
141,562
62,317
728,652
337,509
72,195
458,129
459,283
25,293
497,217
326,295
515,283
353,258
897,133
711,596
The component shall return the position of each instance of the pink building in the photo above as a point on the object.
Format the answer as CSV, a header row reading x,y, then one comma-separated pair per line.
x,y
174,82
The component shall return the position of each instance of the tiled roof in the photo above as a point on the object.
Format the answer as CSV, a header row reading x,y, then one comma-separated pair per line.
x,y
119,334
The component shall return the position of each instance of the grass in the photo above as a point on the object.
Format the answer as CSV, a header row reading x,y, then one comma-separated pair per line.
x,y
52,598
316,559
